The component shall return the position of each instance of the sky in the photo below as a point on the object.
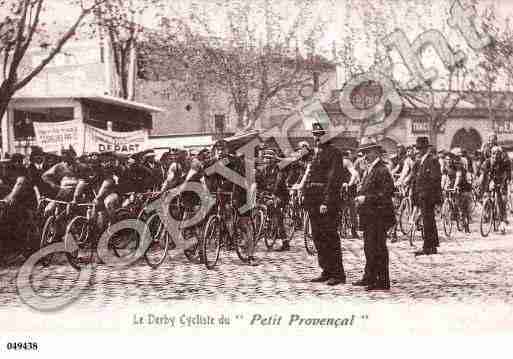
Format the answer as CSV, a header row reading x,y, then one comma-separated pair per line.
x,y
364,21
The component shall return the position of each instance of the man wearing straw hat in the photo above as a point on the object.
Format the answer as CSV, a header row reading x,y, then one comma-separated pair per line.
x,y
374,201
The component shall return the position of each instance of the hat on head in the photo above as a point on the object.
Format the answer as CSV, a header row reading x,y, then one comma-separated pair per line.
x,y
422,142
318,128
457,152
220,144
36,151
69,152
368,144
269,154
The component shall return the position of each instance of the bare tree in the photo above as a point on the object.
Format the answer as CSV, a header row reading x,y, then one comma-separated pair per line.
x,y
258,66
120,24
22,26
438,105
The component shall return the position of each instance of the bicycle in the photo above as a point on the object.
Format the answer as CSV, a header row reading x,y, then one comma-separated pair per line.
x,y
451,212
217,234
405,210
266,220
129,241
416,228
490,215
54,227
307,235
81,237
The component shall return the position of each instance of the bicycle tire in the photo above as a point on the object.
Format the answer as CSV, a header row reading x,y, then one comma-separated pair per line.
x,y
212,235
404,215
307,232
78,226
120,215
48,237
241,246
159,241
447,217
272,232
485,223
496,217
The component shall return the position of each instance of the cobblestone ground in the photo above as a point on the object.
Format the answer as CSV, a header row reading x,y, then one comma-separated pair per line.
x,y
467,268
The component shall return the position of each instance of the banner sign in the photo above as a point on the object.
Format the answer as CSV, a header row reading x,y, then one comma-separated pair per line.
x,y
420,126
98,140
54,136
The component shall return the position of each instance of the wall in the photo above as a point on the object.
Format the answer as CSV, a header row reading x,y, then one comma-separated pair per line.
x,y
174,98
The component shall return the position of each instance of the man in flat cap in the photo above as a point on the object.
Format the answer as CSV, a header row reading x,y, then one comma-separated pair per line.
x,y
374,201
427,193
322,201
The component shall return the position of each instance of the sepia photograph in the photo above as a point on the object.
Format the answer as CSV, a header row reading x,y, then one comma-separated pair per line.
x,y
303,167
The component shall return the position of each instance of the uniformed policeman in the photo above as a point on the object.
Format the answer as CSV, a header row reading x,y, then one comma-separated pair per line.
x,y
322,201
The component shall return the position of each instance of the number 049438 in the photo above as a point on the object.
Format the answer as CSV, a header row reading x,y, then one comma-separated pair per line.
x,y
22,346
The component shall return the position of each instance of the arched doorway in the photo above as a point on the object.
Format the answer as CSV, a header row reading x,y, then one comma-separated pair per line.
x,y
468,139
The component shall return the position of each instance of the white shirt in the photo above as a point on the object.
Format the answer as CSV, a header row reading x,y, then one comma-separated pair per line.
x,y
424,158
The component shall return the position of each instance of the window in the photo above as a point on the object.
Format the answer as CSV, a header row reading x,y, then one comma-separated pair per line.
x,y
219,123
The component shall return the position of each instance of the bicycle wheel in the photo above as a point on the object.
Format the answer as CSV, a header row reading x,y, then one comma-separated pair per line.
x,y
496,217
309,244
78,231
404,215
486,221
212,242
416,232
243,235
271,231
125,242
48,237
447,217
159,246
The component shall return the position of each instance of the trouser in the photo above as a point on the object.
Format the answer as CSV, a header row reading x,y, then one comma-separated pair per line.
x,y
464,200
501,202
280,209
327,241
430,234
376,254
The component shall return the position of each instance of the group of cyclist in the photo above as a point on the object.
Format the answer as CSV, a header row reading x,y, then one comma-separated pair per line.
x,y
110,180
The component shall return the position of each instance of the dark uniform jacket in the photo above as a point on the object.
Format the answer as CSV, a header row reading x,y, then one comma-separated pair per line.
x,y
427,185
378,189
325,178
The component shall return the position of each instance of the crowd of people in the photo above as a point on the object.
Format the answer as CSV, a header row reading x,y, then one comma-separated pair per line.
x,y
365,180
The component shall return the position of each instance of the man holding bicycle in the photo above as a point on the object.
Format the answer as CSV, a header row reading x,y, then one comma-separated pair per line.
x,y
495,176
454,177
66,178
216,182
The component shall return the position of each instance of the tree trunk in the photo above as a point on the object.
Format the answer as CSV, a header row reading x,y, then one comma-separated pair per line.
x,y
5,97
432,132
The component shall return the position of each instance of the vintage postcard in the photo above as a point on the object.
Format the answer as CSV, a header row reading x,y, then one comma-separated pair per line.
x,y
254,167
